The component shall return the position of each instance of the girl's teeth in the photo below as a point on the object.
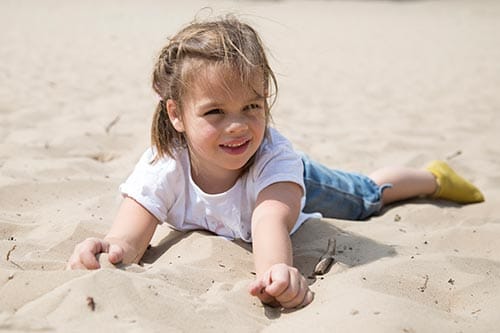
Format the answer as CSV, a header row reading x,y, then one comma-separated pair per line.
x,y
235,145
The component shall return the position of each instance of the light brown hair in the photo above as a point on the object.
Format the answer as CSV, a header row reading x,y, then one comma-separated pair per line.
x,y
227,42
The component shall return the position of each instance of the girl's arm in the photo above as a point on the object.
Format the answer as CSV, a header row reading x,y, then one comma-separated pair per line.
x,y
126,242
132,230
276,212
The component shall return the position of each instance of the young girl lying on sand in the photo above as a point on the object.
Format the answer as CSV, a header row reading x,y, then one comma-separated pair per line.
x,y
215,164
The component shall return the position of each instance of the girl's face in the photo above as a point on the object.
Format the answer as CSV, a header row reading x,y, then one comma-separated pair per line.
x,y
224,122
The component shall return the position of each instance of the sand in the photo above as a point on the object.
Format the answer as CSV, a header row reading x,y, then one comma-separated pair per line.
x,y
363,84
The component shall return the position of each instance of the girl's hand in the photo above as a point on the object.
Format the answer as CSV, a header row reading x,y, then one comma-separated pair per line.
x,y
282,285
84,255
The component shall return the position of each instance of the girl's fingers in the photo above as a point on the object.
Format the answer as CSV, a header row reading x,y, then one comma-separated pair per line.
x,y
308,299
84,256
296,294
292,290
282,286
74,264
115,254
258,288
89,260
279,280
255,288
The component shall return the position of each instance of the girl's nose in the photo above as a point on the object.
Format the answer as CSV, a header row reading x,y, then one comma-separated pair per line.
x,y
236,125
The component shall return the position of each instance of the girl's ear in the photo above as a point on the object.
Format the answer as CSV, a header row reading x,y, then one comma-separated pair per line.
x,y
174,115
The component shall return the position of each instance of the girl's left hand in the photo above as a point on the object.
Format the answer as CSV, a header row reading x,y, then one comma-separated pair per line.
x,y
282,285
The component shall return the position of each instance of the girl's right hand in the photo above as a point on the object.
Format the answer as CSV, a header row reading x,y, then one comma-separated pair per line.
x,y
84,255
282,285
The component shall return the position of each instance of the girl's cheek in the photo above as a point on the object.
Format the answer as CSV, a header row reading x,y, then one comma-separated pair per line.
x,y
206,133
203,128
260,122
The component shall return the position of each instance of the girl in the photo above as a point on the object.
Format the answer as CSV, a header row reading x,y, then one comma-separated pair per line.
x,y
215,164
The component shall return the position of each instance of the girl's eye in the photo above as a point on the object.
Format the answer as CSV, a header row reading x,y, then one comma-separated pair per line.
x,y
213,111
253,107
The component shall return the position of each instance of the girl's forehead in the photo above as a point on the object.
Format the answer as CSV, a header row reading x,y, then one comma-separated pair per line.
x,y
223,80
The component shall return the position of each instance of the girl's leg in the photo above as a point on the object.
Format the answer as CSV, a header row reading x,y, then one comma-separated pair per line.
x,y
438,180
353,196
339,194
406,183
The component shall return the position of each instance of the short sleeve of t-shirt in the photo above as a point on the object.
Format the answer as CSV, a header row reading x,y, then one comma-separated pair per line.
x,y
276,162
151,184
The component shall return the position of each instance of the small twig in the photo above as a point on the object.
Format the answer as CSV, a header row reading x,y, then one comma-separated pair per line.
x,y
455,154
91,303
7,257
327,259
112,123
422,289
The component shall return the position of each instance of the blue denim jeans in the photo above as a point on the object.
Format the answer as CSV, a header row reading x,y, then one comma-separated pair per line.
x,y
339,194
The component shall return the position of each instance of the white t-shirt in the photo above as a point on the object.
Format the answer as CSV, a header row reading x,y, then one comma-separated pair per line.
x,y
167,190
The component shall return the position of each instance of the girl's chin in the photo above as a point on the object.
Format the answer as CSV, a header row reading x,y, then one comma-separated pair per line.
x,y
238,165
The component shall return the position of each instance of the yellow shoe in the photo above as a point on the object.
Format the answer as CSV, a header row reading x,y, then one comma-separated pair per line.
x,y
451,186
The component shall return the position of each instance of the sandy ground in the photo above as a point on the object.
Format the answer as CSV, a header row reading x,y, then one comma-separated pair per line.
x,y
363,84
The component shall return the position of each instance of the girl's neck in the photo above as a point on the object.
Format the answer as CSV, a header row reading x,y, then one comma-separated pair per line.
x,y
214,183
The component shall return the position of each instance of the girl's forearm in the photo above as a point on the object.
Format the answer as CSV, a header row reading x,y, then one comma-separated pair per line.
x,y
271,245
276,212
132,230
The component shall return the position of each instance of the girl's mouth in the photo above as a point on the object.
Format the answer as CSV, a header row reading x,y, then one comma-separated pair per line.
x,y
235,148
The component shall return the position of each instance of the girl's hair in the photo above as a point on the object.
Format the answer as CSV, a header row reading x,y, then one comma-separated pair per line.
x,y
227,42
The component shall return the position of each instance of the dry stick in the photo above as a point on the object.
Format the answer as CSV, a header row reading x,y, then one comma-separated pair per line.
x,y
91,303
7,257
422,289
112,123
327,259
455,154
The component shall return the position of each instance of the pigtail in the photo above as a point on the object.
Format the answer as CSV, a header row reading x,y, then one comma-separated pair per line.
x,y
164,137
160,132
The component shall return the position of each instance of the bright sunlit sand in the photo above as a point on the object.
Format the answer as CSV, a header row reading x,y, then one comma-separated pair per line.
x,y
362,84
